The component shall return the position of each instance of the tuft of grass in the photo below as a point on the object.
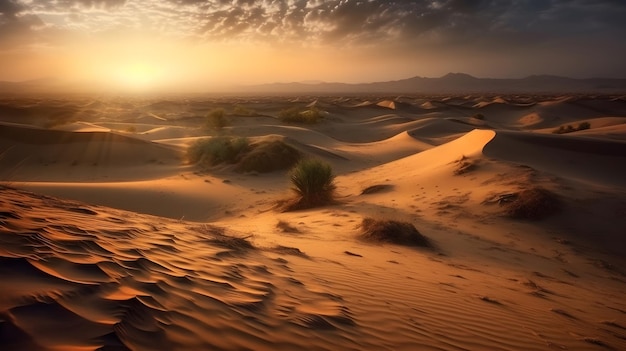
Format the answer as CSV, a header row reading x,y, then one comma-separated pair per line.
x,y
216,120
268,157
296,115
534,204
391,231
378,188
313,182
285,227
217,150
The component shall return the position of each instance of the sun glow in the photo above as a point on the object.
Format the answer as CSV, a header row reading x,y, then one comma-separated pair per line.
x,y
138,76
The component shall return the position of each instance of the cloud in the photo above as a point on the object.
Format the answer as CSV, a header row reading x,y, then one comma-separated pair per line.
x,y
17,28
411,27
351,22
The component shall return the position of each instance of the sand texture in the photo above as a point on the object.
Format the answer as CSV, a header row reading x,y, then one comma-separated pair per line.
x,y
110,239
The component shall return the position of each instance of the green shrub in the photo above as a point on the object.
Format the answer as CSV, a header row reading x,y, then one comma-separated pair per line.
x,y
213,151
216,120
296,115
313,182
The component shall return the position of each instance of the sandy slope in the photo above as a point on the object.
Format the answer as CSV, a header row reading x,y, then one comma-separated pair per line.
x,y
122,280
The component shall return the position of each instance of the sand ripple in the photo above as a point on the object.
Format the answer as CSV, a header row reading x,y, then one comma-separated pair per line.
x,y
78,278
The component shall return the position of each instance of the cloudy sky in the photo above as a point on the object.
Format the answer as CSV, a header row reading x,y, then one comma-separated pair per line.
x,y
138,43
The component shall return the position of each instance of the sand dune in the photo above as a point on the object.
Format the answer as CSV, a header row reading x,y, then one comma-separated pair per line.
x,y
140,250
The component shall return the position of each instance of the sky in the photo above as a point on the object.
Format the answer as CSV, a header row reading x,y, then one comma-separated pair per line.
x,y
142,44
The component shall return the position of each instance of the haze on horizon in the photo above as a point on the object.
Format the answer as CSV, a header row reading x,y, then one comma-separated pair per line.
x,y
160,44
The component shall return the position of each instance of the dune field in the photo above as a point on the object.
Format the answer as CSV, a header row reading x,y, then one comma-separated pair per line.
x,y
112,239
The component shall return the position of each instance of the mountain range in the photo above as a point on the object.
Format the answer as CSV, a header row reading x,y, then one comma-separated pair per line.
x,y
451,83
454,83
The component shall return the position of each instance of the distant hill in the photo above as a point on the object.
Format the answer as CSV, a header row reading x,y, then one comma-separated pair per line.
x,y
454,83
451,83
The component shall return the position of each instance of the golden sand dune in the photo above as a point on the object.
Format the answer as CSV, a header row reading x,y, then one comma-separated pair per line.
x,y
526,226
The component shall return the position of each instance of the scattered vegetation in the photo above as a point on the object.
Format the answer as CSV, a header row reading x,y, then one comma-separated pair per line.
x,y
216,120
296,115
314,184
217,150
241,110
479,116
390,231
534,203
268,157
568,128
262,157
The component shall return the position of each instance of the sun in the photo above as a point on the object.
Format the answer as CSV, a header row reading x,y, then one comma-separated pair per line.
x,y
138,76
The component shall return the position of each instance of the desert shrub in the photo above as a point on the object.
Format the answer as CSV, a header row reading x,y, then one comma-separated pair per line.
x,y
568,128
268,157
216,120
478,116
295,115
213,151
243,111
390,231
534,203
584,125
313,182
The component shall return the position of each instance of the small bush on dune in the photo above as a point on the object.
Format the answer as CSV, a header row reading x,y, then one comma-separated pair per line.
x,y
479,116
269,157
313,183
295,115
394,232
213,151
216,120
534,204
243,111
568,128
584,125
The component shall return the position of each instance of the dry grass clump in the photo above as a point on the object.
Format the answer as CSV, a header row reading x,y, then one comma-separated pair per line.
x,y
378,188
314,184
296,115
534,203
285,227
391,231
268,157
568,128
465,165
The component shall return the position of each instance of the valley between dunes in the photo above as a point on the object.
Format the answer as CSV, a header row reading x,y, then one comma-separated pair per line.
x,y
111,240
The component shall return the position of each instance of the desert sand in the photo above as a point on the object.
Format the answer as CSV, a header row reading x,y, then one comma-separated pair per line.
x,y
111,240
